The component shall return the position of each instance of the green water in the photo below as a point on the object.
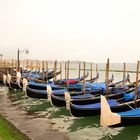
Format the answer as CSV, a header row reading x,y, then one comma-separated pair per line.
x,y
82,128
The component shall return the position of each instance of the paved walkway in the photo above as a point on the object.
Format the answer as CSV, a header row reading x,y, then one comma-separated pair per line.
x,y
35,128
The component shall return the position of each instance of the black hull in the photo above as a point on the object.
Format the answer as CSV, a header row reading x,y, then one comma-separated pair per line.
x,y
35,94
126,121
37,87
60,101
1,77
78,112
63,81
14,85
74,89
130,120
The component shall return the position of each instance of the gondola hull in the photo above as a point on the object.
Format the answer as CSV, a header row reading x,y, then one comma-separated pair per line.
x,y
94,98
14,85
80,112
42,94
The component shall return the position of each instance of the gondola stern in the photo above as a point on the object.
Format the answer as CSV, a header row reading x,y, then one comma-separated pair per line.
x,y
108,118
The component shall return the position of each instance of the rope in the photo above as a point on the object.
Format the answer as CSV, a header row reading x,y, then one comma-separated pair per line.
x,y
129,106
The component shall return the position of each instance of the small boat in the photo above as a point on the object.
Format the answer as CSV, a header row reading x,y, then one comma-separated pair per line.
x,y
88,85
72,80
77,97
108,118
41,86
13,82
91,96
118,102
40,75
36,93
82,98
42,94
93,85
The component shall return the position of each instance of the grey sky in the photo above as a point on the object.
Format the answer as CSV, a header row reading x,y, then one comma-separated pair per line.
x,y
90,30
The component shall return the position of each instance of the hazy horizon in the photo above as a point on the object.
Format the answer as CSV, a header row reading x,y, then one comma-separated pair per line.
x,y
82,30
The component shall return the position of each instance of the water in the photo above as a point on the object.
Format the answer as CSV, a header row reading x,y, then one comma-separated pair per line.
x,y
74,70
82,128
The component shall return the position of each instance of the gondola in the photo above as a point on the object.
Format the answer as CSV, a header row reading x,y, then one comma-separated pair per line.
x,y
50,76
41,75
36,93
15,82
90,95
35,73
11,82
38,90
14,85
42,94
117,104
123,118
42,86
72,80
88,85
84,98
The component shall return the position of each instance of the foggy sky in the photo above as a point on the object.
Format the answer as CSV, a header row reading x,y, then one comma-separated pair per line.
x,y
90,30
